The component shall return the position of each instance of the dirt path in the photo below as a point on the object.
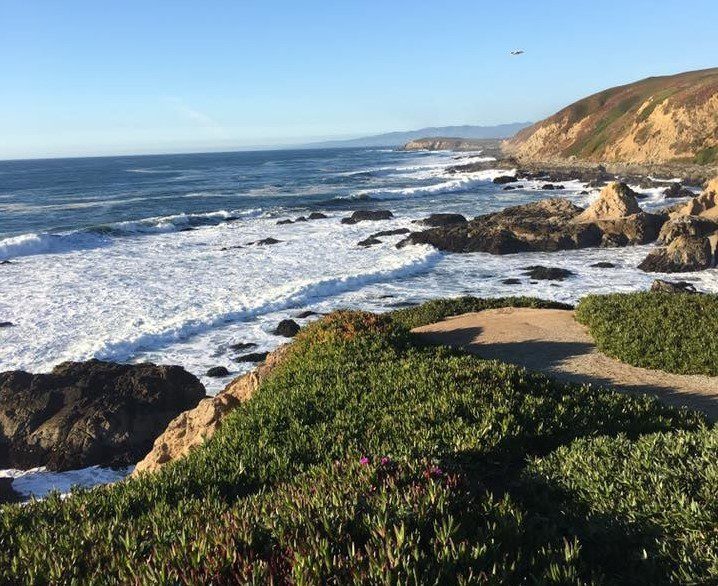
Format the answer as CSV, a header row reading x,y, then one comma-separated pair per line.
x,y
551,341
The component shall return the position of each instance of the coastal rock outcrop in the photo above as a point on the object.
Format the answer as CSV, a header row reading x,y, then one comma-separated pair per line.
x,y
435,220
194,427
689,236
89,413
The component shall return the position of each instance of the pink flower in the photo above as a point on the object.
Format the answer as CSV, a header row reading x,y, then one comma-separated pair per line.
x,y
385,460
364,461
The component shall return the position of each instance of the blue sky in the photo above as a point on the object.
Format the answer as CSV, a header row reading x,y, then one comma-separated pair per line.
x,y
101,77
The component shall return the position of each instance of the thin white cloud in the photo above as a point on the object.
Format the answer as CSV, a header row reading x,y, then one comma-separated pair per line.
x,y
183,109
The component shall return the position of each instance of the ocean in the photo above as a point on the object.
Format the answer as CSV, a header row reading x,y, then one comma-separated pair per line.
x,y
146,258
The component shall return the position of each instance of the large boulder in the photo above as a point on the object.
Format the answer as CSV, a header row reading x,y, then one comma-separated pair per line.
x,y
435,220
683,254
194,427
368,216
546,225
616,200
89,413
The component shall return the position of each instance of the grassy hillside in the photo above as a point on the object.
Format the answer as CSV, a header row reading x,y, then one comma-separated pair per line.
x,y
366,459
659,119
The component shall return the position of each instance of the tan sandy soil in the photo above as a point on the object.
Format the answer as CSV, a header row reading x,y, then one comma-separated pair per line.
x,y
551,341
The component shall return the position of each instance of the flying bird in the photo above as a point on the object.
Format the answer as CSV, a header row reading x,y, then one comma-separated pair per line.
x,y
518,52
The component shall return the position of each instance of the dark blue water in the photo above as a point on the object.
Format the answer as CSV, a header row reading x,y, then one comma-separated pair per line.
x,y
59,195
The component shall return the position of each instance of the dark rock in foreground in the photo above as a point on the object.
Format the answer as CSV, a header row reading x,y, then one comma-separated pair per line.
x,y
541,273
661,286
217,372
503,179
287,328
89,413
435,220
7,493
367,216
683,254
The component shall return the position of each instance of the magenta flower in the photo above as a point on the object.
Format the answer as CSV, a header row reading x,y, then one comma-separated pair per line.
x,y
364,461
385,460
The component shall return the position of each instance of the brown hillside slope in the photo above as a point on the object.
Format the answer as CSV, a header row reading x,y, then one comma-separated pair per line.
x,y
655,120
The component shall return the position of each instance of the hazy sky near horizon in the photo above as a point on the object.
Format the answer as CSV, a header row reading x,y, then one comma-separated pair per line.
x,y
84,77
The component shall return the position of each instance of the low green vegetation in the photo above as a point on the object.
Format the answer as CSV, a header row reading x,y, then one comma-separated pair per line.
x,y
706,156
366,459
672,332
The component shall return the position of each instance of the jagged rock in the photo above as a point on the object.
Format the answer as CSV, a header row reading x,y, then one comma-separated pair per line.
x,y
196,426
704,205
614,240
264,242
683,254
541,273
545,225
217,372
317,216
367,216
89,413
287,328
661,286
502,179
435,220
301,219
686,226
616,201
677,190
369,242
251,357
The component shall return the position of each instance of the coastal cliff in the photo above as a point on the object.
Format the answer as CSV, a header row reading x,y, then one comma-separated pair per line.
x,y
656,120
444,144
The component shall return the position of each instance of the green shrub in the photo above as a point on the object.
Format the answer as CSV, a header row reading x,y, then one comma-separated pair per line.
x,y
439,309
658,492
672,332
293,488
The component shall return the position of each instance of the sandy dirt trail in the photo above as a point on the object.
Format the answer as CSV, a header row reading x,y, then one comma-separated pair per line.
x,y
553,342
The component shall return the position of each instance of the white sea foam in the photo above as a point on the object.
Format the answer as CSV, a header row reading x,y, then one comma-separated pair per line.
x,y
38,482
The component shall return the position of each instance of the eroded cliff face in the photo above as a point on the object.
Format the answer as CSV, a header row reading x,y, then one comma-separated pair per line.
x,y
656,120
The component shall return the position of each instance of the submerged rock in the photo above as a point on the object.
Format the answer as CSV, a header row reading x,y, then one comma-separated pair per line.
x,y
367,216
306,313
6,324
264,242
603,265
371,241
284,222
503,179
511,281
541,273
287,328
251,357
317,216
239,346
89,413
390,232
